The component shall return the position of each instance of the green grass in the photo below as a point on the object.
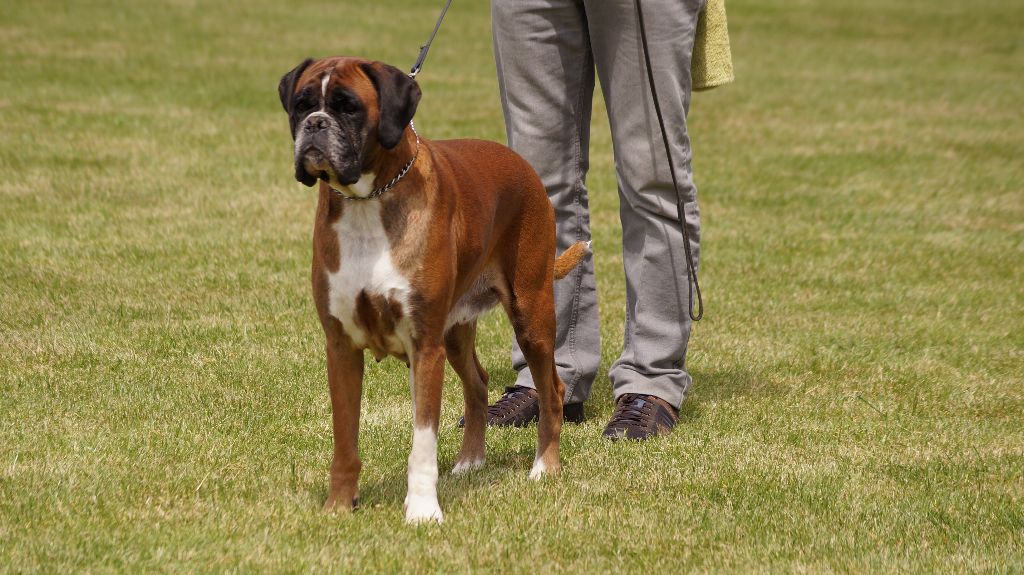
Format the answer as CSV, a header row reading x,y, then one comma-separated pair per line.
x,y
858,400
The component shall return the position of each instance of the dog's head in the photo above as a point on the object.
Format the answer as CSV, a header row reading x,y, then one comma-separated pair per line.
x,y
342,111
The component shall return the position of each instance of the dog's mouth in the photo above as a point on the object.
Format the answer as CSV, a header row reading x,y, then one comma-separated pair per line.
x,y
315,163
312,164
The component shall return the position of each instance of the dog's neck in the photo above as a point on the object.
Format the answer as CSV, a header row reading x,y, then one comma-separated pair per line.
x,y
386,164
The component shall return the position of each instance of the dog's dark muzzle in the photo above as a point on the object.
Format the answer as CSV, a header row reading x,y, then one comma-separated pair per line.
x,y
323,152
311,164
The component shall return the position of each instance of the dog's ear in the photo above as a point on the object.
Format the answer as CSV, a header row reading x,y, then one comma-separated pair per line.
x,y
286,89
397,97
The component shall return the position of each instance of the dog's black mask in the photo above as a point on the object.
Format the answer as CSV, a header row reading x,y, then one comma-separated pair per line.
x,y
330,123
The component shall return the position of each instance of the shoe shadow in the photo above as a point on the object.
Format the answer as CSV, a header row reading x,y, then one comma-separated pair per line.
x,y
709,386
720,385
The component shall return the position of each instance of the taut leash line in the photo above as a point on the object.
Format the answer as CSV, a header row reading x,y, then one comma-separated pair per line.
x,y
426,47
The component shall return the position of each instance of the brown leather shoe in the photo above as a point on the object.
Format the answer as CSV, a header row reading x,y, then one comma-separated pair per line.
x,y
638,416
520,406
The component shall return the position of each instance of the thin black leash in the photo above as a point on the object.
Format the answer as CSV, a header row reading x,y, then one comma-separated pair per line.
x,y
426,47
691,271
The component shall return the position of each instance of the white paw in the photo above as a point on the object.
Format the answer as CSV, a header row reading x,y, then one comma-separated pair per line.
x,y
538,471
420,509
463,467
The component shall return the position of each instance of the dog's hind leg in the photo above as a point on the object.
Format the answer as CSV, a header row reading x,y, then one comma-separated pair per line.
x,y
460,344
531,310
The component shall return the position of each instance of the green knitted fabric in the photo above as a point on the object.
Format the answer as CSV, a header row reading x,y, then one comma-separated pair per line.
x,y
712,60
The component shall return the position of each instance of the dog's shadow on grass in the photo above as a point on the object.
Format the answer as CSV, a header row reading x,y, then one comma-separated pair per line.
x,y
384,488
510,452
383,483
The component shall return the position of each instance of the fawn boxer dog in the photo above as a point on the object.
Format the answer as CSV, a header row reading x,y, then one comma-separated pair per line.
x,y
412,241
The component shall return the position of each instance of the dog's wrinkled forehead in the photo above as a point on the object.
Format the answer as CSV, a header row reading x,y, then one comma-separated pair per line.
x,y
338,78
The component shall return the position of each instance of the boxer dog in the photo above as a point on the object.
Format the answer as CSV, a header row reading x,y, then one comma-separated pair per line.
x,y
412,241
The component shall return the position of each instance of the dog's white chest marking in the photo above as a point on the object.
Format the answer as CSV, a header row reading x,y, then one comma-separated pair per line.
x,y
366,267
364,186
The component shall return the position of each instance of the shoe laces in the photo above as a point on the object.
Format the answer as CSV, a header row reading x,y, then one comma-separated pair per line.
x,y
514,398
632,411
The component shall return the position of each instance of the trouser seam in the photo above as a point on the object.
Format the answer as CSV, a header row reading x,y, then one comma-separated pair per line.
x,y
577,195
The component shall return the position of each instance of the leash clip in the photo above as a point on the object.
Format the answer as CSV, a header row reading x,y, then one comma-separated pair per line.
x,y
420,59
426,47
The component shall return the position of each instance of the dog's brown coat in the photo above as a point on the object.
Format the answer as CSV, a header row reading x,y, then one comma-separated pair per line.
x,y
466,207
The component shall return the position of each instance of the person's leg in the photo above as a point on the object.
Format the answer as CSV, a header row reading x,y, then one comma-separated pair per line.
x,y
657,323
546,79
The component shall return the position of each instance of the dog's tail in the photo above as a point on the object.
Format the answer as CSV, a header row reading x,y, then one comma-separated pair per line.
x,y
570,258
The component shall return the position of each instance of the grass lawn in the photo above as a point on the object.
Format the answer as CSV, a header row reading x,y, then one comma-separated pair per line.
x,y
858,401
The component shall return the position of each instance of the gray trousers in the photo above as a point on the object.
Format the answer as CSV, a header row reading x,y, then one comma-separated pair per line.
x,y
546,52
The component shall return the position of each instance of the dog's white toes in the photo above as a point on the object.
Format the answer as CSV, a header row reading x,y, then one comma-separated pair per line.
x,y
419,509
538,471
463,467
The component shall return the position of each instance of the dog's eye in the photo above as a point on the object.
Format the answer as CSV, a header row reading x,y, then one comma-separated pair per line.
x,y
305,100
304,103
344,103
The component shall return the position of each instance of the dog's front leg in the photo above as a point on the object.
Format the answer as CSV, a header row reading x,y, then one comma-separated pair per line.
x,y
345,379
427,375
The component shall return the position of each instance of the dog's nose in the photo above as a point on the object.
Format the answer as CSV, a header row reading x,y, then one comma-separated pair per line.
x,y
315,124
